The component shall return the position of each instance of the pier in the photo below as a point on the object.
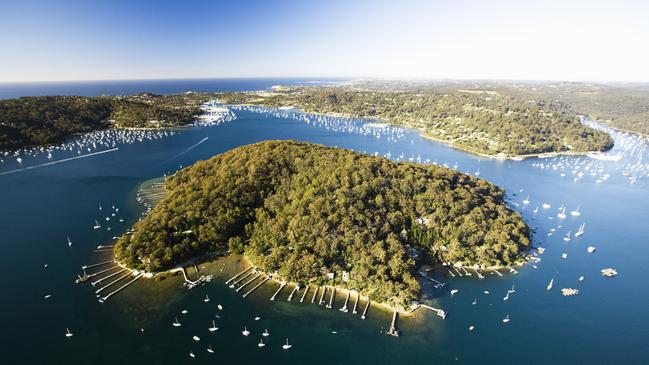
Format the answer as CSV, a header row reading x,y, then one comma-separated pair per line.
x,y
324,290
85,277
315,293
242,278
367,306
95,265
436,283
290,296
281,286
256,286
120,288
440,313
393,325
237,275
113,282
331,299
344,308
248,282
497,272
355,304
107,277
306,290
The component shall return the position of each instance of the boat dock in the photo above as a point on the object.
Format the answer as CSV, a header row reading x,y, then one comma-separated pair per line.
x,y
281,286
344,308
497,272
355,304
120,288
324,290
393,325
256,286
248,282
290,296
85,277
113,282
107,277
315,293
237,275
97,264
367,306
306,290
331,299
440,313
242,278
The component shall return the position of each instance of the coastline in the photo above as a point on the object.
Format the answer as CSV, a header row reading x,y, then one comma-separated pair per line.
x,y
424,134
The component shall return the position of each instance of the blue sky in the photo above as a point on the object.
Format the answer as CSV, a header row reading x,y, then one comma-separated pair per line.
x,y
496,39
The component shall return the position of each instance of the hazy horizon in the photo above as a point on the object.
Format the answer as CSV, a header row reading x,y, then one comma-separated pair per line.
x,y
72,40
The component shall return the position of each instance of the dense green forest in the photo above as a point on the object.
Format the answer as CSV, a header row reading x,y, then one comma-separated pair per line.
x,y
624,107
30,121
304,210
490,122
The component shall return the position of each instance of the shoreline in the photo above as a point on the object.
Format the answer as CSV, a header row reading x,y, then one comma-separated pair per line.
x,y
425,135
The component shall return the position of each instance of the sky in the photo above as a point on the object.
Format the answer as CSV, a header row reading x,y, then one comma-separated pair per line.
x,y
464,39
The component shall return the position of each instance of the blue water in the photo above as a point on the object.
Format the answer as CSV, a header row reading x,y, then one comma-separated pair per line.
x,y
606,323
96,88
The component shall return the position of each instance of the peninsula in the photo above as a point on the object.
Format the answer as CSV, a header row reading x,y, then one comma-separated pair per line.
x,y
495,122
302,211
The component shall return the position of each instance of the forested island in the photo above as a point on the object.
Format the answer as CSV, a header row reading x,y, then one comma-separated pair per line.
x,y
493,122
303,210
42,120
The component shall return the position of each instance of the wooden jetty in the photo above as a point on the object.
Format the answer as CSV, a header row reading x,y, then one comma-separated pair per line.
x,y
331,299
107,277
393,325
281,286
248,282
85,277
367,306
242,278
324,290
97,264
497,272
120,288
440,313
356,303
344,308
290,296
113,282
315,293
237,275
306,290
256,286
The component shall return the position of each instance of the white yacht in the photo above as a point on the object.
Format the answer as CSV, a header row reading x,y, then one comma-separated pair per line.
x,y
526,200
209,349
550,284
265,334
176,323
576,212
567,237
191,354
245,331
207,299
69,242
581,230
506,319
97,225
546,206
591,249
196,338
261,343
287,346
68,333
562,213
213,328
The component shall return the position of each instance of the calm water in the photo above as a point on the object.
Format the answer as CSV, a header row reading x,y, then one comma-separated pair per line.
x,y
606,323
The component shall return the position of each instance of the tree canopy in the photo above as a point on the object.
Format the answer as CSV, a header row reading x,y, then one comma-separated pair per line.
x,y
304,210
484,121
